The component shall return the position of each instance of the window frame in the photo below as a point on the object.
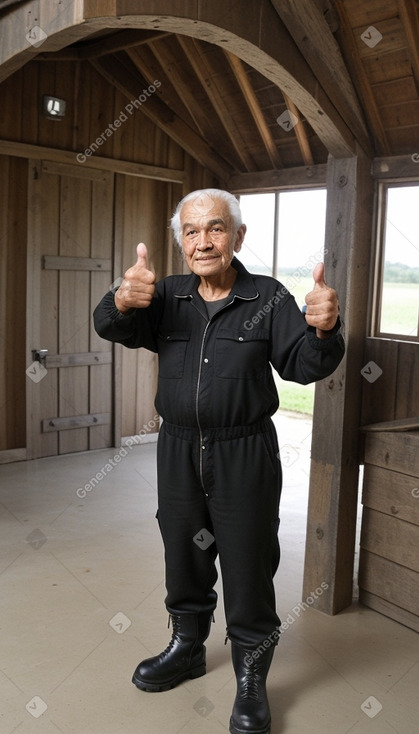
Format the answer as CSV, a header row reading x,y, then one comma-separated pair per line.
x,y
379,262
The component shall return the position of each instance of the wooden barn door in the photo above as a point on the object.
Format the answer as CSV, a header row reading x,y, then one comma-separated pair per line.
x,y
70,266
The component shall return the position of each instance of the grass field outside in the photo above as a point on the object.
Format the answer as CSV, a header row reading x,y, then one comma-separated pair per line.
x,y
399,316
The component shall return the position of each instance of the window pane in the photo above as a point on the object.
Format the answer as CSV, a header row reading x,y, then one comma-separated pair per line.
x,y
400,295
301,227
258,212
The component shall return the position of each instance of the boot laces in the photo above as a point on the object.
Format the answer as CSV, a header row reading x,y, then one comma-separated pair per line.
x,y
250,687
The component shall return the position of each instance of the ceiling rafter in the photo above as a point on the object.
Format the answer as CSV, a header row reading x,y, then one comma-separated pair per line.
x,y
361,81
300,133
254,107
129,81
180,89
311,32
204,72
410,20
180,83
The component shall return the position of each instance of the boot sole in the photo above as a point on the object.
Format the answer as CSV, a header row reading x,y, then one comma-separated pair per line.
x,y
168,685
234,730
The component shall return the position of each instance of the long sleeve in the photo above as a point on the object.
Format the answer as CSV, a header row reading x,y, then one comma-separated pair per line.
x,y
135,329
297,353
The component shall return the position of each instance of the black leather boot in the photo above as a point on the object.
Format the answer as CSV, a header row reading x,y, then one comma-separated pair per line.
x,y
183,658
251,714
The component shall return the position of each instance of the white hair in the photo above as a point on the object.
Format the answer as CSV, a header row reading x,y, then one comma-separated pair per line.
x,y
230,199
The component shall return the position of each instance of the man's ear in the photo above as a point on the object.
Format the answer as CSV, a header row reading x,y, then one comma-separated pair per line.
x,y
240,237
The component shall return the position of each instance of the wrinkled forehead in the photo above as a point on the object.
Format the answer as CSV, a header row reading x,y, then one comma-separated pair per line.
x,y
205,208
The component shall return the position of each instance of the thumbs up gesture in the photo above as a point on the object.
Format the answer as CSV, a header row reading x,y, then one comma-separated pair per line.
x,y
322,304
137,288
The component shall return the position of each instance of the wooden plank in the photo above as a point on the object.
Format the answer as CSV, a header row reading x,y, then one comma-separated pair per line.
x,y
75,421
401,424
390,538
379,396
9,456
206,74
43,230
407,396
70,360
390,581
349,47
101,392
129,82
396,451
310,31
286,179
64,169
333,495
300,133
254,106
409,18
389,610
76,263
39,152
390,492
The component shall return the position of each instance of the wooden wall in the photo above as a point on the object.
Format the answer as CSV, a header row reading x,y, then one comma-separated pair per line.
x,y
142,208
395,394
13,188
388,567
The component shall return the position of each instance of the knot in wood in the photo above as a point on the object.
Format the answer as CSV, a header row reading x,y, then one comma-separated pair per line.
x,y
319,533
342,181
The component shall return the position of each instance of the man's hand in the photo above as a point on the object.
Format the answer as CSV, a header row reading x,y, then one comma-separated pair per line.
x,y
322,304
137,288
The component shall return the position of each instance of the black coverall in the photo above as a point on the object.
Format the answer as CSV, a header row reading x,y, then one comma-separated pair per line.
x,y
219,473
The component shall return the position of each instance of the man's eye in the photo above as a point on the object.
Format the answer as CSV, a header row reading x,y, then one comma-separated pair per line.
x,y
191,232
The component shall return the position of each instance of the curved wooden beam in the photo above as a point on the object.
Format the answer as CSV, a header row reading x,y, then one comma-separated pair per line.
x,y
257,36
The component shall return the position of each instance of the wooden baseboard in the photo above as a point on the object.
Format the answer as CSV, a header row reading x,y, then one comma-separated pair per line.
x,y
7,456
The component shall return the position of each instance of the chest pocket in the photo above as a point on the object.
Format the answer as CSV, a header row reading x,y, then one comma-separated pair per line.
x,y
172,353
241,354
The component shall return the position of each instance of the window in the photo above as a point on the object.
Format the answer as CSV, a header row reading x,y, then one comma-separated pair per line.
x,y
396,306
285,236
285,239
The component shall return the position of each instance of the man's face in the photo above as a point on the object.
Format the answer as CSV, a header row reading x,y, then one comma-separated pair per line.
x,y
208,236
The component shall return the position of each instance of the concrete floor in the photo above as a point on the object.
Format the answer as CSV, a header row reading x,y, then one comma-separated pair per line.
x,y
81,602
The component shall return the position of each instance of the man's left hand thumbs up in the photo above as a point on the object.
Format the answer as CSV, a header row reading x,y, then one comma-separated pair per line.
x,y
322,304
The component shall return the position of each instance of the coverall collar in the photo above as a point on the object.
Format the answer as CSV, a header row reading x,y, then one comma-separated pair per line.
x,y
243,286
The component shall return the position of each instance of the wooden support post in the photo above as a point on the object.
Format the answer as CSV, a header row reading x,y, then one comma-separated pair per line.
x,y
333,496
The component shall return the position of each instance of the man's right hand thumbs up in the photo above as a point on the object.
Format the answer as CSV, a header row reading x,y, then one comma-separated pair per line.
x,y
137,288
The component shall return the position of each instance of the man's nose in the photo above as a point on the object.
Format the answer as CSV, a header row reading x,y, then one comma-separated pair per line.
x,y
203,241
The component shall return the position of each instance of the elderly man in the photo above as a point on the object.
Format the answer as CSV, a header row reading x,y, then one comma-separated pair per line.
x,y
217,332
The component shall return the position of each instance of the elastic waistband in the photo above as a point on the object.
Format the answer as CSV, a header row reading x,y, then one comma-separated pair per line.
x,y
218,434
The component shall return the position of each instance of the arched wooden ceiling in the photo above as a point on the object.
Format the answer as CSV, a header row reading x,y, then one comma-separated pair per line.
x,y
245,87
